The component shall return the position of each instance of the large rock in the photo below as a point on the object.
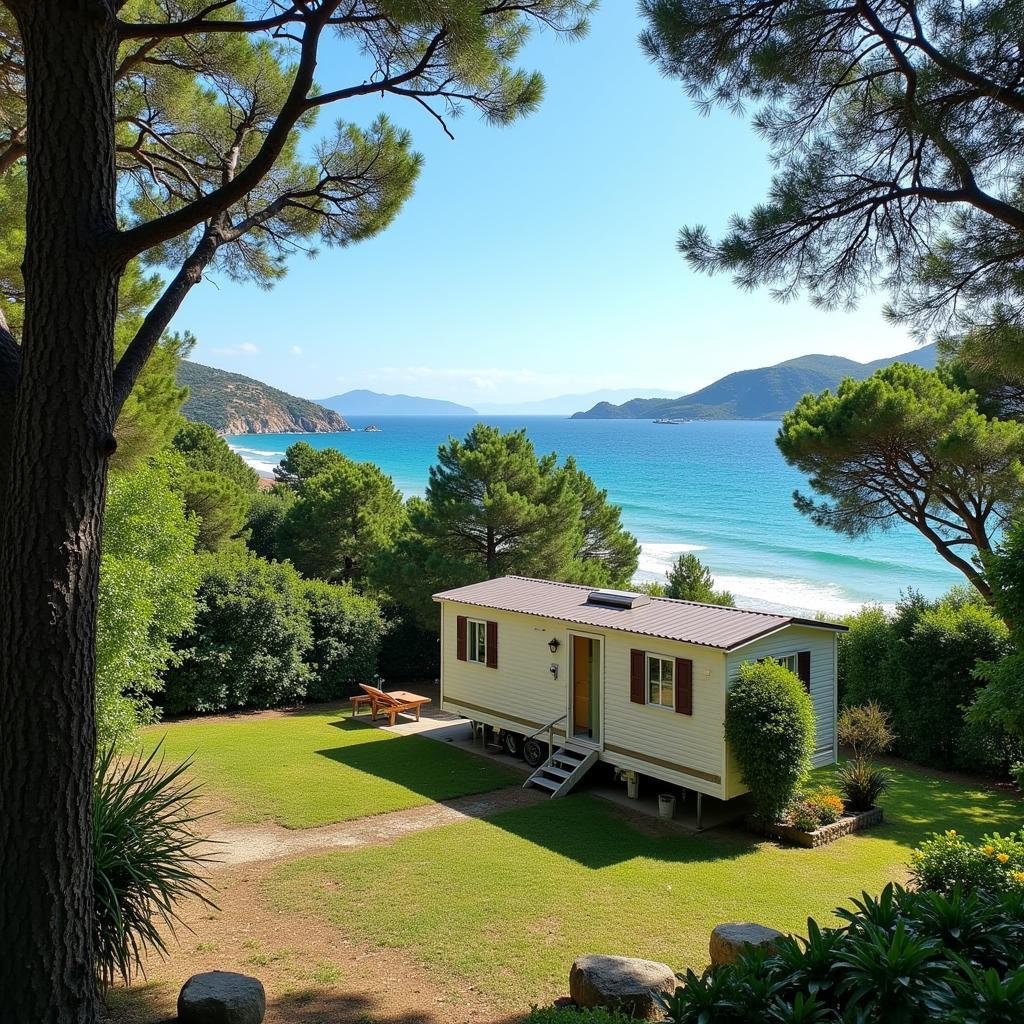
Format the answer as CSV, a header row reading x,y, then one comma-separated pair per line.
x,y
221,997
729,940
620,982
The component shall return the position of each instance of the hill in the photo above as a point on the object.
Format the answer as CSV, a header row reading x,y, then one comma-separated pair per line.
x,y
371,403
233,404
761,394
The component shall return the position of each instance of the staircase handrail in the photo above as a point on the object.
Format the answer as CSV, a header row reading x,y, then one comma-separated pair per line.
x,y
550,727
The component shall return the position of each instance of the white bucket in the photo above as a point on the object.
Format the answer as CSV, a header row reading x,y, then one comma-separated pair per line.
x,y
666,805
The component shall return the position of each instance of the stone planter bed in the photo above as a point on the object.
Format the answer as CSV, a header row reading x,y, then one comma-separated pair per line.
x,y
852,821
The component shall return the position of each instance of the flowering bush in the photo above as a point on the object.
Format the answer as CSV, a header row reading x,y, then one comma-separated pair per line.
x,y
827,804
898,958
809,811
802,816
996,864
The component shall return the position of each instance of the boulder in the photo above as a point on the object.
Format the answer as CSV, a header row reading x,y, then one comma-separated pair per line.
x,y
221,997
729,940
621,983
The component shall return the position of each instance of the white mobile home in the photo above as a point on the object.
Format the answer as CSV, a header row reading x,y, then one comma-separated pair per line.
x,y
635,681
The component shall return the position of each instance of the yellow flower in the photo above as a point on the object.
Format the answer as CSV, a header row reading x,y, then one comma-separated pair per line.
x,y
989,850
951,832
1018,876
1002,857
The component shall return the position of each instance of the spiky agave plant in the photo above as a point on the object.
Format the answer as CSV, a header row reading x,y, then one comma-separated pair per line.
x,y
146,855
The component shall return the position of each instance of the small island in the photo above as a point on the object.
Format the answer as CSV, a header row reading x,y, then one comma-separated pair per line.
x,y
371,429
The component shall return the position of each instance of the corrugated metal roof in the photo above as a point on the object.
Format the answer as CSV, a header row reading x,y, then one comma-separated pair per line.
x,y
706,625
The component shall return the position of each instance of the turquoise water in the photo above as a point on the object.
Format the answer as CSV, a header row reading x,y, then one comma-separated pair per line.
x,y
719,488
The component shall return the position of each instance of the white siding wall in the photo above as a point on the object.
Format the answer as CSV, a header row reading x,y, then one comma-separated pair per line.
x,y
822,645
520,691
685,749
692,742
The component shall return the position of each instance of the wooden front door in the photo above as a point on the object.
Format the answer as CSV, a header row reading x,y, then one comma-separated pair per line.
x,y
581,655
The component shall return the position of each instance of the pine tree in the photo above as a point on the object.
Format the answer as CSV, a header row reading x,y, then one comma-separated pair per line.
x,y
690,579
493,508
183,133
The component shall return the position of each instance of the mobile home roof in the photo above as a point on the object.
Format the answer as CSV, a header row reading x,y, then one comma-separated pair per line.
x,y
705,625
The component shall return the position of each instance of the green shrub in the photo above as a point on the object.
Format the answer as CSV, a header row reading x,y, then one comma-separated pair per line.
x,y
148,580
862,782
947,859
412,651
575,1015
900,958
1017,771
267,511
864,652
918,664
865,729
769,726
346,631
250,640
145,859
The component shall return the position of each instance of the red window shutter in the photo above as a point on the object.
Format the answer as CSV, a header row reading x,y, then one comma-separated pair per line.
x,y
684,686
492,645
803,668
637,677
460,637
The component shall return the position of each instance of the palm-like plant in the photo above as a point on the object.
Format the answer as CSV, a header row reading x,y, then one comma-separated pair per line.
x,y
146,858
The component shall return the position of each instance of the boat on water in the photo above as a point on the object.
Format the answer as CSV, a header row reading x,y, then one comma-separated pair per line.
x,y
672,421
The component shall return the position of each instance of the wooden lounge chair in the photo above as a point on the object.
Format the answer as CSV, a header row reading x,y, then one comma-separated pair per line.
x,y
393,704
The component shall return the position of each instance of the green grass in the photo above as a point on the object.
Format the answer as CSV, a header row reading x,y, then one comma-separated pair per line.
x,y
507,903
316,767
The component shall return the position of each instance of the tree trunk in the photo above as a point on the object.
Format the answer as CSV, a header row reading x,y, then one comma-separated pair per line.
x,y
61,439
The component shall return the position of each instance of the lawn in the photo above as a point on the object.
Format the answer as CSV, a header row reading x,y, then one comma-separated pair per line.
x,y
508,902
315,767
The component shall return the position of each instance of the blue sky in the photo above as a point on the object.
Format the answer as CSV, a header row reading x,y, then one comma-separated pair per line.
x,y
537,259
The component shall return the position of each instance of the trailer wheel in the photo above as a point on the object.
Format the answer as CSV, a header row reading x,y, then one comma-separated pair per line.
x,y
535,753
513,743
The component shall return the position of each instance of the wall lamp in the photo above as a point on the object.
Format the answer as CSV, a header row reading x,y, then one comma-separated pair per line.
x,y
553,644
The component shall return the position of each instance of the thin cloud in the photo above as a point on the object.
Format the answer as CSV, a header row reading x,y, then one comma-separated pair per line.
x,y
246,348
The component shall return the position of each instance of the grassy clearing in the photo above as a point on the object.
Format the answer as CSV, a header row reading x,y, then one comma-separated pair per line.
x,y
317,767
507,903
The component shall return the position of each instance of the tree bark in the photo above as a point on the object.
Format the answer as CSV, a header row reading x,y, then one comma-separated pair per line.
x,y
61,439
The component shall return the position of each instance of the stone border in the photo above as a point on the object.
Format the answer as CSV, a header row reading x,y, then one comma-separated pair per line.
x,y
849,822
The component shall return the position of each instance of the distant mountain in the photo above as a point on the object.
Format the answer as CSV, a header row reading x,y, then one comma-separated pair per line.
x,y
371,403
564,405
233,404
762,394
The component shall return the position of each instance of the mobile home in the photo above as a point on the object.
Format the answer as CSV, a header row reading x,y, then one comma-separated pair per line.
x,y
635,681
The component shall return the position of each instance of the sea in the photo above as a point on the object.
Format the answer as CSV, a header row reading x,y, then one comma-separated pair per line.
x,y
718,488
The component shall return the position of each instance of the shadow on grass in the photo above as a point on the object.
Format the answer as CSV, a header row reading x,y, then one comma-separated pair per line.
x,y
424,766
595,834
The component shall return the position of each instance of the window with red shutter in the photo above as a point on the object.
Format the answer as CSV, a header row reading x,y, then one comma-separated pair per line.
x,y
803,668
460,637
684,686
637,677
492,645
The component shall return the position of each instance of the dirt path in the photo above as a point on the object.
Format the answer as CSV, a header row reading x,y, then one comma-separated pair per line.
x,y
312,972
246,844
